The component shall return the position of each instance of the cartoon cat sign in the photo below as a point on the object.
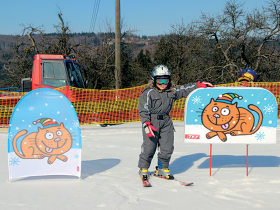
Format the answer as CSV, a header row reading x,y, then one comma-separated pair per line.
x,y
231,115
51,141
44,136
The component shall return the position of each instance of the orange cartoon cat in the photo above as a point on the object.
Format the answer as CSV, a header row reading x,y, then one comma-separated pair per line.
x,y
51,141
223,117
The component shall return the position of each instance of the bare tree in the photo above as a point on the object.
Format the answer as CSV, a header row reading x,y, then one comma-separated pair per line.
x,y
267,26
229,34
100,60
60,43
19,65
241,37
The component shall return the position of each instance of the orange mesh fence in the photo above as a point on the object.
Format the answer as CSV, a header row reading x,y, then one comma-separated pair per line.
x,y
106,106
273,87
111,106
8,101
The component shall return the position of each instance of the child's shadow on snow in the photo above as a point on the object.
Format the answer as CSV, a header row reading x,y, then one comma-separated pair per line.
x,y
183,163
91,167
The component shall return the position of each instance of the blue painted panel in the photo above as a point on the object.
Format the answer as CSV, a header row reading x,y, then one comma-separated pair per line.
x,y
44,136
231,115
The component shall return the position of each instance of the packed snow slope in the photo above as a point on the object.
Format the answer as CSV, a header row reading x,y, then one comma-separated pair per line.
x,y
111,181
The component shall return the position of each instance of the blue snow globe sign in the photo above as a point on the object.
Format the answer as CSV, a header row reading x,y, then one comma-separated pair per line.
x,y
44,136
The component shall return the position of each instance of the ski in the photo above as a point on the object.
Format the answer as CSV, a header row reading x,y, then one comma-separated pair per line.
x,y
146,183
144,177
176,180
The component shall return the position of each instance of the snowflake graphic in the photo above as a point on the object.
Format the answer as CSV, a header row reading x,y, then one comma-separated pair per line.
x,y
260,136
196,100
14,161
31,108
268,109
76,124
10,135
76,156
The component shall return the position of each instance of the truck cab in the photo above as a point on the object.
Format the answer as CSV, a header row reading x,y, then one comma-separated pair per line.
x,y
53,71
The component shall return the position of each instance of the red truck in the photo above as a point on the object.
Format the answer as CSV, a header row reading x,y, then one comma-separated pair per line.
x,y
49,71
53,71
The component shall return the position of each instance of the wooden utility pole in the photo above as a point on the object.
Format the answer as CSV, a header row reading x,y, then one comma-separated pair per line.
x,y
117,44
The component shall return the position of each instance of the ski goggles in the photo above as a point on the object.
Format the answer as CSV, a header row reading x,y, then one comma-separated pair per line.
x,y
162,81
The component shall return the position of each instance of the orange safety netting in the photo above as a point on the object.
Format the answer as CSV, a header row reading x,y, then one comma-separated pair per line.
x,y
111,106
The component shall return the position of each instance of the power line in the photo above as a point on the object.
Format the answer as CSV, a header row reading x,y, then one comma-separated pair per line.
x,y
96,12
94,15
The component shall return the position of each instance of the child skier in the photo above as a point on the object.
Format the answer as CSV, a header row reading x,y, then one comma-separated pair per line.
x,y
154,106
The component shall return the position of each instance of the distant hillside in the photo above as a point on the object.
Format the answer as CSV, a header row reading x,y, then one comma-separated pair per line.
x,y
7,42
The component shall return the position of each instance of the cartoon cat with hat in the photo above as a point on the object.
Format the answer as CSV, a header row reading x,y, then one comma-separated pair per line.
x,y
51,141
222,117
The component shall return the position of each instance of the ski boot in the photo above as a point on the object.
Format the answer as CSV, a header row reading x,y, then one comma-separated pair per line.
x,y
143,172
164,172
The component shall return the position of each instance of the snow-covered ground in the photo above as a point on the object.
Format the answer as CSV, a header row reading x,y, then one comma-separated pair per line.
x,y
111,181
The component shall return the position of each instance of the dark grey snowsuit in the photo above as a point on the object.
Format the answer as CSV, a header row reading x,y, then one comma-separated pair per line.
x,y
154,106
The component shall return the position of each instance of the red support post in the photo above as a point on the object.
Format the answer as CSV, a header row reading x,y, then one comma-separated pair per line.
x,y
67,88
244,84
247,159
210,166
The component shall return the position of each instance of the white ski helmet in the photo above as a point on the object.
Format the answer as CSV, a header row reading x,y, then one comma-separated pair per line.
x,y
161,70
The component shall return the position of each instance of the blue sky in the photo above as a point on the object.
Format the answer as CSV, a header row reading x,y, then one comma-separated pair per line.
x,y
148,17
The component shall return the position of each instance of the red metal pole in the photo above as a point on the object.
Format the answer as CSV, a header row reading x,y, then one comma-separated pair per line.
x,y
67,88
244,84
247,158
210,158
